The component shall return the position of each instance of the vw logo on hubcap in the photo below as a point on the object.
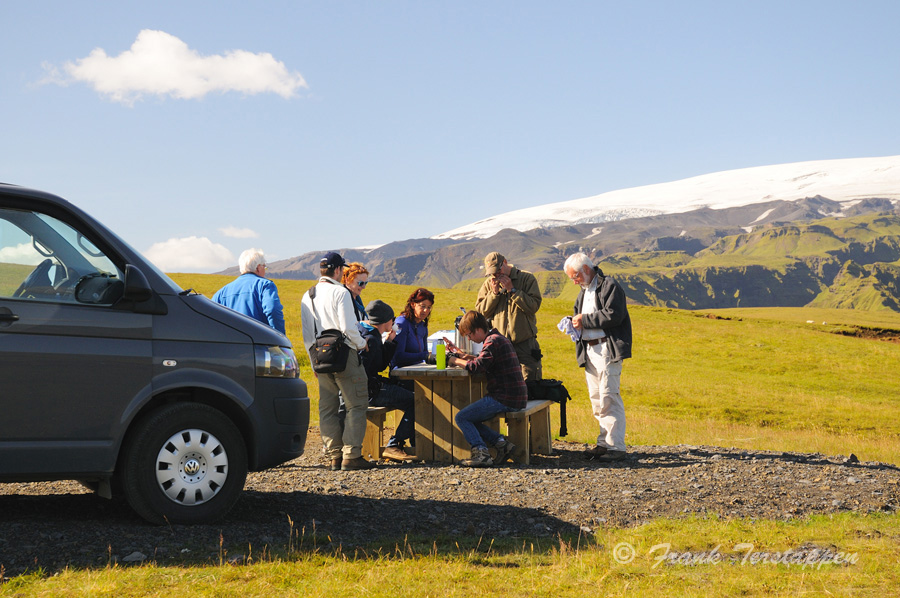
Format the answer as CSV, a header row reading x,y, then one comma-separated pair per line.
x,y
192,467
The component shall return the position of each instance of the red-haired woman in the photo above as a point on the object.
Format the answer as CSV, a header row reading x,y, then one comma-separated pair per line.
x,y
355,278
412,336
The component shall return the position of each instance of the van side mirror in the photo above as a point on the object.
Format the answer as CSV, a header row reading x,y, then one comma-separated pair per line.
x,y
138,296
137,288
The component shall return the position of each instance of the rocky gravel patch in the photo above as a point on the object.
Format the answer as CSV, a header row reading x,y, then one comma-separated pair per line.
x,y
302,504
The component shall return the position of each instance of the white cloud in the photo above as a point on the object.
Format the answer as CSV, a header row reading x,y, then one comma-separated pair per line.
x,y
238,233
22,253
161,64
190,254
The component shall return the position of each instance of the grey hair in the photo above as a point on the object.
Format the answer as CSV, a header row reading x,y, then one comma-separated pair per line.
x,y
577,262
251,259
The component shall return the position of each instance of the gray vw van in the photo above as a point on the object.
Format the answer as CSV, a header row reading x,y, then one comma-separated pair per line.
x,y
113,375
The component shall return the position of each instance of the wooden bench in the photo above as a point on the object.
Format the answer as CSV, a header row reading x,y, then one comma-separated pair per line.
x,y
529,430
373,444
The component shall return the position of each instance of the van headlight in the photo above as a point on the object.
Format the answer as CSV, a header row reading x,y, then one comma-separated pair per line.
x,y
276,362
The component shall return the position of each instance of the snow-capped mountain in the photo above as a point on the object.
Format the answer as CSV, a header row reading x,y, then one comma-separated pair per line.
x,y
845,181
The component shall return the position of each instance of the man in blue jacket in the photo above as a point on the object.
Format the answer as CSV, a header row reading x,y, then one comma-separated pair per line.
x,y
251,293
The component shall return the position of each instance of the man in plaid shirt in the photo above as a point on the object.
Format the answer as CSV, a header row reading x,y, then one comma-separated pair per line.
x,y
505,384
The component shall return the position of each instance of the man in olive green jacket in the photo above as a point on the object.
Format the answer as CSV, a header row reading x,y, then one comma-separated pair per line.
x,y
510,298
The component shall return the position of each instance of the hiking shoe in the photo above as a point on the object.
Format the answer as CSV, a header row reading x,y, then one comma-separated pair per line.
x,y
612,455
396,453
336,464
481,457
357,464
595,451
504,449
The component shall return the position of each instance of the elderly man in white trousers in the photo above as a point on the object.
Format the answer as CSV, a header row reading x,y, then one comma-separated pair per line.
x,y
601,316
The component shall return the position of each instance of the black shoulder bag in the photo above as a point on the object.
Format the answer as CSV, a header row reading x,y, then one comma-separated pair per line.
x,y
551,390
328,355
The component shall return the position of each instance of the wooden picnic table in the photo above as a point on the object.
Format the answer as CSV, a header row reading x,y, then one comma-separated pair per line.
x,y
440,394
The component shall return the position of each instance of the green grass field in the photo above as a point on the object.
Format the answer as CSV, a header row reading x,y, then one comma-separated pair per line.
x,y
769,379
748,378
11,276
690,557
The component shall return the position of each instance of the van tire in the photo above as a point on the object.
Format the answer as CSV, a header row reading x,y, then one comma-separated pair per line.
x,y
184,463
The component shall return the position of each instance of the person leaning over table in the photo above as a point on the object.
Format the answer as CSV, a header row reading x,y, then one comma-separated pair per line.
x,y
509,298
333,308
355,278
251,293
384,392
601,316
506,389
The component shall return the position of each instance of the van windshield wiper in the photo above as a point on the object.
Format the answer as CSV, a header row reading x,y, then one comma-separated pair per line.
x,y
188,292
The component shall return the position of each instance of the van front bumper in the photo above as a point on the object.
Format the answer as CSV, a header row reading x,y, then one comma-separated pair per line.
x,y
282,410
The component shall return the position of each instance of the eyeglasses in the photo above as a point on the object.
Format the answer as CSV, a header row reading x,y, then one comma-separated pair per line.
x,y
362,283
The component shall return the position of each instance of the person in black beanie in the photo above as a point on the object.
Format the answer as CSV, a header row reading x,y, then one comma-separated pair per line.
x,y
384,392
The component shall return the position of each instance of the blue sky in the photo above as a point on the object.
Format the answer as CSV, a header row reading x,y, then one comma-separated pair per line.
x,y
301,126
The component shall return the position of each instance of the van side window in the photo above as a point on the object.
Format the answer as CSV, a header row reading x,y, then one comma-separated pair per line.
x,y
45,259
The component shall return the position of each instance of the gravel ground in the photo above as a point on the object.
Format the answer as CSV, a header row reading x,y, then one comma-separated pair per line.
x,y
60,524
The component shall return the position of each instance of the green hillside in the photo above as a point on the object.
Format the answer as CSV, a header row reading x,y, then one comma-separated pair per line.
x,y
837,263
872,286
844,263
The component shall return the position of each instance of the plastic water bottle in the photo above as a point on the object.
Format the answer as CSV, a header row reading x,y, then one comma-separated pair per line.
x,y
441,356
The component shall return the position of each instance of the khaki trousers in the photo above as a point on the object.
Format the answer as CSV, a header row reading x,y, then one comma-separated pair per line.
x,y
344,440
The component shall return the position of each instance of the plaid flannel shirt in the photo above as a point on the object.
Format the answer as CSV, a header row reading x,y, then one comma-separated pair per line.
x,y
499,363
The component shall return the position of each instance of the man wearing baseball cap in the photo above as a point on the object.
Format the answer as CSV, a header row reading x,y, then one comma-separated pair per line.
x,y
332,307
510,299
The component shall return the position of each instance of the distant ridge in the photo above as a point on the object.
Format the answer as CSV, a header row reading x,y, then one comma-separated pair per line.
x,y
821,233
844,181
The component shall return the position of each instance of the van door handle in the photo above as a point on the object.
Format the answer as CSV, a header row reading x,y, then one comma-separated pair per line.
x,y
7,317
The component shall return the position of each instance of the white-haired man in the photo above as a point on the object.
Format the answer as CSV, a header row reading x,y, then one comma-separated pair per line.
x,y
251,293
601,316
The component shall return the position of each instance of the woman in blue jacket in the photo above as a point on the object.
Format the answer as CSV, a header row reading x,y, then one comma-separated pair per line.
x,y
412,334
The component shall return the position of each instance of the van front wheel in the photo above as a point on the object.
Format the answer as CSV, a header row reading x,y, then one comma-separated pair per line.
x,y
184,463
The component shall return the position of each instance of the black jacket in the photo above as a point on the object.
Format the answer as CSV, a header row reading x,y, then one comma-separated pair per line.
x,y
611,317
376,359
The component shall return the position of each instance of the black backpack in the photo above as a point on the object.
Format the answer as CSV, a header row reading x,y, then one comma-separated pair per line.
x,y
551,390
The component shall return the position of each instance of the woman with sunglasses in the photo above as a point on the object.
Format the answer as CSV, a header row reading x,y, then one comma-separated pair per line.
x,y
355,278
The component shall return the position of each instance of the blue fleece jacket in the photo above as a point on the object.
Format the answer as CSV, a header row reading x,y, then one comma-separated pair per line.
x,y
253,296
